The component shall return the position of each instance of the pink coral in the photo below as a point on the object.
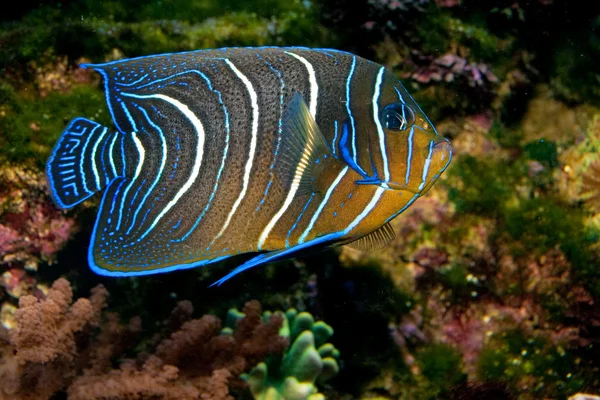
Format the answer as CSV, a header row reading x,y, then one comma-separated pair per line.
x,y
31,228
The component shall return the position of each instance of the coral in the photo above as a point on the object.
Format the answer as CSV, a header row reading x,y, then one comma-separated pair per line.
x,y
451,67
47,352
31,228
59,345
309,359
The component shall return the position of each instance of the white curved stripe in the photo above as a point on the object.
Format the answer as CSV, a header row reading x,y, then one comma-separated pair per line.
x,y
111,150
302,164
199,153
382,149
366,211
322,205
94,167
138,171
82,158
163,162
248,167
314,87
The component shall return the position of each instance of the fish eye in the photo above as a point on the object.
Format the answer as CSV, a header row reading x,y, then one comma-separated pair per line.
x,y
398,117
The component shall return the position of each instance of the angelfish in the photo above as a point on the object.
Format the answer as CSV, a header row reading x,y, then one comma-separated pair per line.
x,y
270,150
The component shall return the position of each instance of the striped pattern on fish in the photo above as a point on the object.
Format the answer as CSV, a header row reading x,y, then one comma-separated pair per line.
x,y
230,151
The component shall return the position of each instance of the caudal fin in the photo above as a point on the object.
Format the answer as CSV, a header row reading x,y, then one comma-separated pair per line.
x,y
83,162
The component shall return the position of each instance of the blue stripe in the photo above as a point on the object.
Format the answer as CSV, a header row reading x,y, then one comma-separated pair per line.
x,y
346,156
123,154
107,95
287,243
132,202
128,115
115,196
102,157
335,132
132,83
160,171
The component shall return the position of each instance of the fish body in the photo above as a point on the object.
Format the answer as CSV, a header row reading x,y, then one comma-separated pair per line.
x,y
244,150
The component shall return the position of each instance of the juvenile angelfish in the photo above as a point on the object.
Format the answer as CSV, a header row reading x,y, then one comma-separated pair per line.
x,y
244,150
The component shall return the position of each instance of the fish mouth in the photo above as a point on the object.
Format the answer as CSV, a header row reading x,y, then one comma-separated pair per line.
x,y
439,158
441,155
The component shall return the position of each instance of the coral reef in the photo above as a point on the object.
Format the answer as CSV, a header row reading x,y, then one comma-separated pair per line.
x,y
59,345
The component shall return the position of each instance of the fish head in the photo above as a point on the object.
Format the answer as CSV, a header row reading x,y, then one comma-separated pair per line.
x,y
413,155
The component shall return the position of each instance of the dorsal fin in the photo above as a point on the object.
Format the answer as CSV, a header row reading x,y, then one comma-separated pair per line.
x,y
375,240
302,143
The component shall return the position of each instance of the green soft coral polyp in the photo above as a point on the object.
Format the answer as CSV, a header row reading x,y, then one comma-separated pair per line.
x,y
309,360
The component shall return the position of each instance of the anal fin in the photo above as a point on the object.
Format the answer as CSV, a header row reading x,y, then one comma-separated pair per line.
x,y
375,240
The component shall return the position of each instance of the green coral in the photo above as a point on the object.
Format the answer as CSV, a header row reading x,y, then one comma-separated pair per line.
x,y
308,360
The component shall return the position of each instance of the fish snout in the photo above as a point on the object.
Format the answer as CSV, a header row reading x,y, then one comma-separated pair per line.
x,y
441,155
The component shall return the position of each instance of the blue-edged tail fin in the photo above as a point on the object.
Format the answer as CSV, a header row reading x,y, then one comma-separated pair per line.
x,y
86,158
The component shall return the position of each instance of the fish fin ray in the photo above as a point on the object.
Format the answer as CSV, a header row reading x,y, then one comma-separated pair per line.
x,y
375,240
75,169
303,145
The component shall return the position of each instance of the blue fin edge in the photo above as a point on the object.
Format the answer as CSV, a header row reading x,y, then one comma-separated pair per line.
x,y
276,255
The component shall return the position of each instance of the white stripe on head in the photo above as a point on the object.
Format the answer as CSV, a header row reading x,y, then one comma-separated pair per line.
x,y
426,166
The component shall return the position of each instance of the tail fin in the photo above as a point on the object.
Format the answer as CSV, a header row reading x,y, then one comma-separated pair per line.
x,y
83,162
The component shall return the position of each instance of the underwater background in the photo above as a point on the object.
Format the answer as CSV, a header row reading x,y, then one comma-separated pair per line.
x,y
491,289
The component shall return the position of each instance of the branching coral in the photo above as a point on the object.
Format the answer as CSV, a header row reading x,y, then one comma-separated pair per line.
x,y
59,345
47,351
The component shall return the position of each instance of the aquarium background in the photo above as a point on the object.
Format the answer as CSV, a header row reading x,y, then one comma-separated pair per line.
x,y
490,290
